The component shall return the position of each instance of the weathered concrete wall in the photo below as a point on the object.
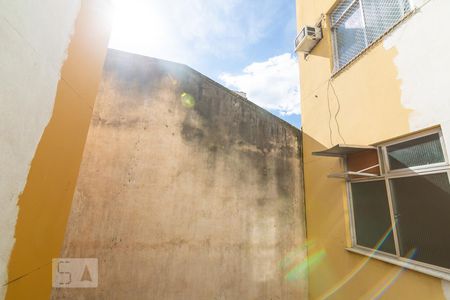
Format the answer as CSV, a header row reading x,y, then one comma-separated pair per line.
x,y
186,198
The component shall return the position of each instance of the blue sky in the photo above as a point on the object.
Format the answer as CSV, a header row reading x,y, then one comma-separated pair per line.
x,y
246,45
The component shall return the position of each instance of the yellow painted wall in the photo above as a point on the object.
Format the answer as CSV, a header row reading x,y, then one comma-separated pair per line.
x,y
45,202
364,104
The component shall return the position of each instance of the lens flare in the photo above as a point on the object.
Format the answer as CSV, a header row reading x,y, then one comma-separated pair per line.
x,y
187,100
297,263
291,256
300,270
358,268
390,281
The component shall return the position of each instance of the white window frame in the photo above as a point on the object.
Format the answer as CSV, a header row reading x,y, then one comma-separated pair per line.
x,y
336,67
387,175
417,168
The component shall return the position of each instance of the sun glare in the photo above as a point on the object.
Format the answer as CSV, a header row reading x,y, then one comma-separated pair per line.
x,y
137,27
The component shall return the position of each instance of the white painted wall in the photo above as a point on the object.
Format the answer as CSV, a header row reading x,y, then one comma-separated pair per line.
x,y
423,64
34,38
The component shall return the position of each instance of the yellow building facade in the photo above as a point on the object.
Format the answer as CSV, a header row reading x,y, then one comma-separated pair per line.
x,y
378,83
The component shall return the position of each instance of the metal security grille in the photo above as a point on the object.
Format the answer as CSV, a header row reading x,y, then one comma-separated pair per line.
x,y
423,151
358,23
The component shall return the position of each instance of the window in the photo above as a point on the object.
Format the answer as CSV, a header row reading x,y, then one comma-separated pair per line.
x,y
356,24
404,212
422,151
372,218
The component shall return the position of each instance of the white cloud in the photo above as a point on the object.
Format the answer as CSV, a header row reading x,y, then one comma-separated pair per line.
x,y
272,84
184,31
195,32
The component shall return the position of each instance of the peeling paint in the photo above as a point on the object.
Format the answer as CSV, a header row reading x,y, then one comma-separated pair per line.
x,y
423,65
35,38
397,86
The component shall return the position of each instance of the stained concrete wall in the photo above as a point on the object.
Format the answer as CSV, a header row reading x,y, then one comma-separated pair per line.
x,y
186,198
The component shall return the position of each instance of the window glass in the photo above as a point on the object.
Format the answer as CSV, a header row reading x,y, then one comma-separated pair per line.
x,y
372,216
349,34
340,10
422,206
417,152
380,16
358,23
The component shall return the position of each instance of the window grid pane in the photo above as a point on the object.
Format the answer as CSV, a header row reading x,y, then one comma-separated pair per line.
x,y
340,10
355,28
350,36
417,152
381,15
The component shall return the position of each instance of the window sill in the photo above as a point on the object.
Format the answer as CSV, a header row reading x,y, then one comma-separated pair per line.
x,y
404,264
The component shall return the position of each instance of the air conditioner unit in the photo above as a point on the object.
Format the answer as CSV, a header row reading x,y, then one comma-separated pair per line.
x,y
308,38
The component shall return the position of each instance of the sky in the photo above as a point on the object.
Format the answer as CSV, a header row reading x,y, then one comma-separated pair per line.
x,y
245,45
